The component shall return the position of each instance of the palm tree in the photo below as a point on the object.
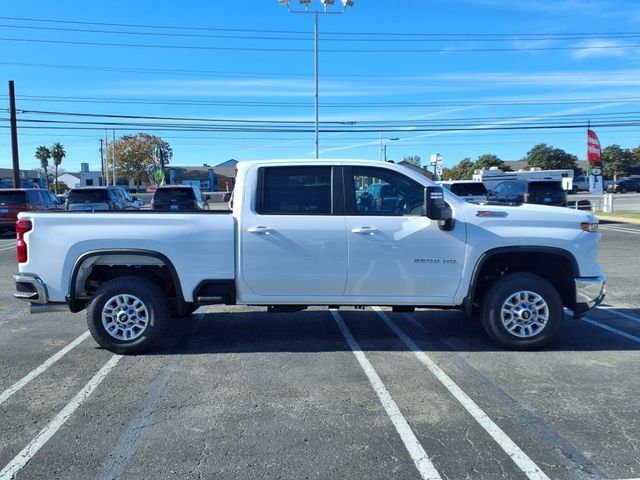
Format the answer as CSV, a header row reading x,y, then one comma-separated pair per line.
x,y
57,153
44,154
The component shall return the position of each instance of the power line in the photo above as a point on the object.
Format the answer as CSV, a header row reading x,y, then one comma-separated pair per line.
x,y
245,30
449,78
353,37
305,50
230,103
442,127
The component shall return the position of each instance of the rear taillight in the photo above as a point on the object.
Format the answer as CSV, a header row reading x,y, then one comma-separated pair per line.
x,y
22,227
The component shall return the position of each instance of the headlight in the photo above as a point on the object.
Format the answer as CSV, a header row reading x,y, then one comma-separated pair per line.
x,y
589,227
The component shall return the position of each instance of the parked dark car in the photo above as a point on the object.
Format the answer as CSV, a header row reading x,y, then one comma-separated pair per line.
x,y
529,191
91,199
179,197
16,200
624,185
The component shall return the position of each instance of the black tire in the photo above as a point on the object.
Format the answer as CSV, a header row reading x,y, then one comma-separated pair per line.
x,y
623,190
526,298
145,319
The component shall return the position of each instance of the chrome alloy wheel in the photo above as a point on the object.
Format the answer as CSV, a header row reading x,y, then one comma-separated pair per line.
x,y
125,317
524,314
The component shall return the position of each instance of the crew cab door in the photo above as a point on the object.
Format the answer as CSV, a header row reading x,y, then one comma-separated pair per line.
x,y
395,251
293,237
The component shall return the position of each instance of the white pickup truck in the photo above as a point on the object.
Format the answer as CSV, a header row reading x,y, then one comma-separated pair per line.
x,y
302,233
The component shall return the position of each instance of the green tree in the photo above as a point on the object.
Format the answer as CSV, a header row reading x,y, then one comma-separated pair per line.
x,y
548,158
413,160
616,161
134,155
44,154
57,153
635,160
462,171
488,160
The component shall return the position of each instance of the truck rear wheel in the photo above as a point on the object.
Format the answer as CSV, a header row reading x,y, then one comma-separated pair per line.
x,y
522,311
127,315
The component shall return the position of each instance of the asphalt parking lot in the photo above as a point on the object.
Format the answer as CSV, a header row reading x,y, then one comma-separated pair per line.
x,y
238,393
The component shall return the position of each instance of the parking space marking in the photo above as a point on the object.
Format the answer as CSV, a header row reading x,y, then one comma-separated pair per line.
x,y
6,249
633,338
620,229
41,368
411,443
546,434
521,459
621,314
27,453
117,461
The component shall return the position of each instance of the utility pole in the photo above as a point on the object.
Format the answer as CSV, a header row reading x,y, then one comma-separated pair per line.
x,y
14,135
113,156
106,158
102,159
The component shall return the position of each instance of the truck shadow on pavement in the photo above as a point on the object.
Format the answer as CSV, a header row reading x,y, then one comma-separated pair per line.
x,y
316,331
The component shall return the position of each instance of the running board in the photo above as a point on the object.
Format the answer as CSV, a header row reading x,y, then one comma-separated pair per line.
x,y
49,307
210,300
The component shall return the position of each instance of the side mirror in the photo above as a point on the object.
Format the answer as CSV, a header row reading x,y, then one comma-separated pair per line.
x,y
437,209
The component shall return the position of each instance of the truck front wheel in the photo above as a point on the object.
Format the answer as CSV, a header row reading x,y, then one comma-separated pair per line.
x,y
522,311
127,315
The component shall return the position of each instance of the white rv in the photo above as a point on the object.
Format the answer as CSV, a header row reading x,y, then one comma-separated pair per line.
x,y
490,177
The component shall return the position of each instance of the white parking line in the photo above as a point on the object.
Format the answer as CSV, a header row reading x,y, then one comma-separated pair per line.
x,y
612,330
6,249
620,229
411,443
41,368
27,453
621,314
521,459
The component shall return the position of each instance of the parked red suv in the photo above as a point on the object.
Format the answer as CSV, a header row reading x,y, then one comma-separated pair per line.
x,y
16,200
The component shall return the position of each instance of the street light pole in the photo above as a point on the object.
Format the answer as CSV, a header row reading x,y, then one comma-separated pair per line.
x,y
325,3
383,146
316,72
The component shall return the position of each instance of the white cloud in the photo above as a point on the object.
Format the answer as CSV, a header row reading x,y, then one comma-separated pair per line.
x,y
599,48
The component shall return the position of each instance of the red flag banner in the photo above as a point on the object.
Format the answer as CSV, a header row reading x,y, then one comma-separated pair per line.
x,y
594,158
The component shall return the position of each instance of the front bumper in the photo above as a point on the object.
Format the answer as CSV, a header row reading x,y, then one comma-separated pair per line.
x,y
30,287
590,291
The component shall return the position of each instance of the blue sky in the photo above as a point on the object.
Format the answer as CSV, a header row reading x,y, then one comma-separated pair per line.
x,y
437,76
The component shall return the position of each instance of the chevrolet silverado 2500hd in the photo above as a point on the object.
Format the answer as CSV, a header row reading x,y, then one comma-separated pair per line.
x,y
318,232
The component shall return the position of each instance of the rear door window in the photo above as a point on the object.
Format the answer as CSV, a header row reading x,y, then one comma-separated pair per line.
x,y
545,188
468,189
294,191
177,194
88,196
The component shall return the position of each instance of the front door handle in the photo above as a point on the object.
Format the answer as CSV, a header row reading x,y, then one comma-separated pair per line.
x,y
364,230
260,229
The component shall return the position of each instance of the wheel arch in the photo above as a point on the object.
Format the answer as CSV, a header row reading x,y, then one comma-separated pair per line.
x,y
87,259
533,259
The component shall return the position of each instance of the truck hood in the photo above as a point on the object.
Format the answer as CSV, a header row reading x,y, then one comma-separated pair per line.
x,y
526,215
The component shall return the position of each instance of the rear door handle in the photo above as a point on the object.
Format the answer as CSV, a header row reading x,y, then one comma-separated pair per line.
x,y
260,229
364,230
